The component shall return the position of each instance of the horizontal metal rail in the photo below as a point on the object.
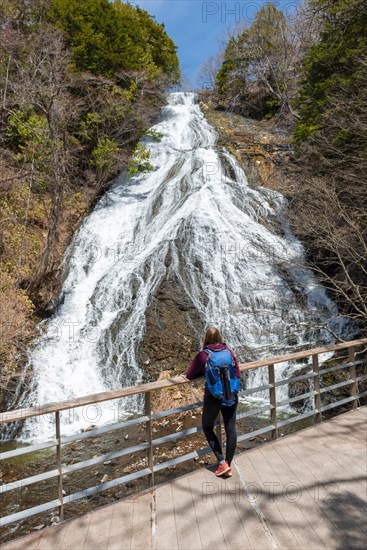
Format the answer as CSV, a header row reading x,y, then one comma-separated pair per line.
x,y
175,436
180,459
344,366
104,429
294,379
184,408
30,512
338,403
148,419
335,386
106,485
255,433
19,484
296,418
263,387
22,414
253,412
296,398
28,449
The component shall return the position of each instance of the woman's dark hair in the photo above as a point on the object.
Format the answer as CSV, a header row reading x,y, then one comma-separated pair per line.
x,y
212,336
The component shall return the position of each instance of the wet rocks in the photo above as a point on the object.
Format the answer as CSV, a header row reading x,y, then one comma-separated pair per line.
x,y
172,328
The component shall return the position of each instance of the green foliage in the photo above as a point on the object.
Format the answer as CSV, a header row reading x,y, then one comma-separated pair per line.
x,y
82,80
230,76
104,154
89,127
336,64
140,161
330,206
272,107
154,135
109,37
27,133
254,73
18,130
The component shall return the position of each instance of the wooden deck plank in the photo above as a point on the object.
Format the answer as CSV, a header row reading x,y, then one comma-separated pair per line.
x,y
340,428
328,472
254,529
99,529
229,515
341,432
175,516
210,530
318,491
358,423
339,457
31,542
294,517
188,535
119,537
360,412
355,431
267,507
166,530
349,456
142,522
53,537
75,531
303,499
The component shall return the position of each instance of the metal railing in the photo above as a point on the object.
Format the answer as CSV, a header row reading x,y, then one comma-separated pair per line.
x,y
315,393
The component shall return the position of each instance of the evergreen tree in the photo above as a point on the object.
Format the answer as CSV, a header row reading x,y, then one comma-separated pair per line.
x,y
336,65
81,81
106,38
230,79
330,206
258,71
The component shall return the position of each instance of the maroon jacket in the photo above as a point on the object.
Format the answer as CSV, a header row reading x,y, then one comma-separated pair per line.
x,y
197,367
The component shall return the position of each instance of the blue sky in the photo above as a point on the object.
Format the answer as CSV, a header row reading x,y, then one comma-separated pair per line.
x,y
199,28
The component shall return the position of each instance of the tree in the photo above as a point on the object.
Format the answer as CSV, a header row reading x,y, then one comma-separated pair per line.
x,y
259,71
231,78
80,83
336,63
207,72
37,125
106,38
330,206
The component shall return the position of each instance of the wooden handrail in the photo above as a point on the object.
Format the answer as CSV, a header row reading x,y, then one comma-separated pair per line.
x,y
23,413
156,465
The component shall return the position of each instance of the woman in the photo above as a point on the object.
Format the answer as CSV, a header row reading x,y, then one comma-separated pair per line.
x,y
213,342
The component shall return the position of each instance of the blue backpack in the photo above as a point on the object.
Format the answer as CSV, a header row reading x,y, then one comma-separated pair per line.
x,y
220,376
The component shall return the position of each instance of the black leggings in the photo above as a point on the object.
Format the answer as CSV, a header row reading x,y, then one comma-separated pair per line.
x,y
211,409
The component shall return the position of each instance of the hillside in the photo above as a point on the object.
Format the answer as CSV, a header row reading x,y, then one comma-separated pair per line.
x,y
78,90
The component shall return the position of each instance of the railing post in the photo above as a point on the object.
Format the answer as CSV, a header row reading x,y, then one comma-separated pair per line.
x,y
316,387
148,413
273,401
59,464
353,376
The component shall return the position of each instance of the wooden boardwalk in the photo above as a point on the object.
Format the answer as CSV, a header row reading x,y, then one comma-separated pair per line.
x,y
306,490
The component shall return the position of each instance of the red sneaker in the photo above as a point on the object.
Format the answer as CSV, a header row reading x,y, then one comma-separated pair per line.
x,y
228,474
222,469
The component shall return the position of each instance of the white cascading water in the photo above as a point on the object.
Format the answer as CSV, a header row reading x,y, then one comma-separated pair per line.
x,y
228,244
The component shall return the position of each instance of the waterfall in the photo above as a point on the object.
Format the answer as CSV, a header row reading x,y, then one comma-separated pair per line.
x,y
228,244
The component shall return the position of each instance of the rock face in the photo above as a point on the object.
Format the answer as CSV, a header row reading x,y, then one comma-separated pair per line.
x,y
173,330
